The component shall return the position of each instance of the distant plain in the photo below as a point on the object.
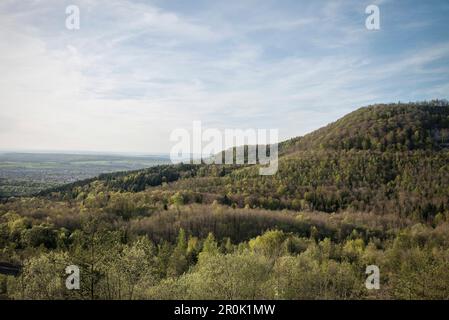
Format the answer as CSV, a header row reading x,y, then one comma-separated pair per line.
x,y
28,173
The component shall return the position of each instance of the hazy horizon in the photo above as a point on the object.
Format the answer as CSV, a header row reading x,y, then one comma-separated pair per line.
x,y
83,152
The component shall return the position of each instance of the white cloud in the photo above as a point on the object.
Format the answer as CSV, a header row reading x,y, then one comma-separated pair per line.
x,y
135,71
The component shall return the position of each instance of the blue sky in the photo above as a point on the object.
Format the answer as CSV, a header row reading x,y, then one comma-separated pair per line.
x,y
136,70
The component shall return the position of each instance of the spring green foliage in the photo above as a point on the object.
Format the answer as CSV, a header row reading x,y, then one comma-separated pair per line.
x,y
274,265
385,127
371,188
383,158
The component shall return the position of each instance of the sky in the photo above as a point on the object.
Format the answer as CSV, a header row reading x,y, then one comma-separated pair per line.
x,y
137,70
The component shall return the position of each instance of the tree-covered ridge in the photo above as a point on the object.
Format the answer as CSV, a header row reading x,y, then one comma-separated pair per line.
x,y
392,127
139,180
407,182
379,128
134,181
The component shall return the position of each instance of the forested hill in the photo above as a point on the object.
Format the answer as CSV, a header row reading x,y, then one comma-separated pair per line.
x,y
382,158
383,127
